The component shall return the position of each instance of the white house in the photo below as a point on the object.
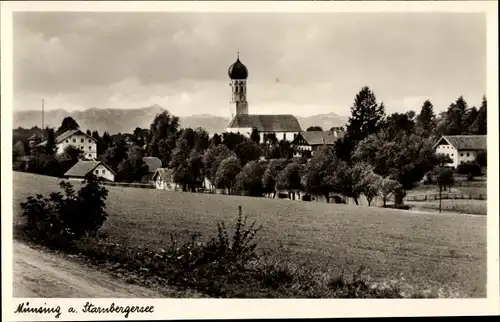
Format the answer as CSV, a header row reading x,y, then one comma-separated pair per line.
x,y
84,168
78,139
284,126
162,178
460,148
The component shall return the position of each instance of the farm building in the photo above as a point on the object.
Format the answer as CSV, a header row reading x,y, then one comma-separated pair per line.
x,y
78,139
285,126
309,141
163,179
153,164
84,168
460,148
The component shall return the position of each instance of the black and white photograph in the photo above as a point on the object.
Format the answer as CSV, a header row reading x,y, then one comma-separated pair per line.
x,y
249,155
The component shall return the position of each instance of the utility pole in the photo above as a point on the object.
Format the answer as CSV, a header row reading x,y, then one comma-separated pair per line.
x,y
43,102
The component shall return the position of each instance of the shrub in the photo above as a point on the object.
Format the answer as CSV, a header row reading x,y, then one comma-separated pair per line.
x,y
59,219
471,169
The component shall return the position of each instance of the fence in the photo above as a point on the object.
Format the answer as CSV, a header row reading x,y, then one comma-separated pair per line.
x,y
445,196
129,185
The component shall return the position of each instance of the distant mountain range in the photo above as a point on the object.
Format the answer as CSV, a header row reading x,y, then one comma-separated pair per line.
x,y
126,120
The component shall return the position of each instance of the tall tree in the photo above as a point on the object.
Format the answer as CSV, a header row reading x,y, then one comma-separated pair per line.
x,y
398,123
162,136
68,123
479,126
426,120
317,179
50,142
255,135
470,118
366,115
215,140
455,117
247,151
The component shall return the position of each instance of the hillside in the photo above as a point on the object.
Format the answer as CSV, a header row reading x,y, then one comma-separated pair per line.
x,y
126,120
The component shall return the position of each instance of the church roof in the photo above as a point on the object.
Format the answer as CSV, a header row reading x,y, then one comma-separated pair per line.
x,y
266,123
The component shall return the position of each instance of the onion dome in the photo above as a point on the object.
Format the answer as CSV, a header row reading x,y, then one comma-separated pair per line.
x,y
238,70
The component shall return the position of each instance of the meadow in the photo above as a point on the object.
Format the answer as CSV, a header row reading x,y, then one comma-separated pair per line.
x,y
430,250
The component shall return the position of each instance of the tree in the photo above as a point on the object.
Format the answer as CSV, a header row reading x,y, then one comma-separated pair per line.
x,y
247,151
250,179
444,178
132,168
213,157
470,118
115,154
481,159
348,179
17,150
366,116
387,188
405,158
202,140
162,136
255,136
370,186
215,140
289,178
317,179
399,123
471,169
479,126
455,117
50,146
314,128
271,172
231,140
226,173
69,157
426,120
68,123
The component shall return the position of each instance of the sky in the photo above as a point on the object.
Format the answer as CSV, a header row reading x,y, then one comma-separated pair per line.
x,y
299,63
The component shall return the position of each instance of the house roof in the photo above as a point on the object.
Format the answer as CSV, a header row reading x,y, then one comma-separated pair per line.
x,y
82,168
67,135
164,173
464,142
153,163
266,123
319,137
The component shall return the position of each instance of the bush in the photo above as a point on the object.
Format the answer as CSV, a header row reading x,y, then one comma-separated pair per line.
x,y
60,219
471,169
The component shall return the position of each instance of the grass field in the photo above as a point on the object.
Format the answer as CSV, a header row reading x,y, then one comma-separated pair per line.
x,y
446,250
477,207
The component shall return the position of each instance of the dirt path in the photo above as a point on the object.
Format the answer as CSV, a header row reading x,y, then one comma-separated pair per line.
x,y
41,274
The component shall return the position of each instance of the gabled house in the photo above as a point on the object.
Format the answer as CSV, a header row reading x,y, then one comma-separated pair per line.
x,y
307,142
82,169
163,179
153,164
460,148
78,139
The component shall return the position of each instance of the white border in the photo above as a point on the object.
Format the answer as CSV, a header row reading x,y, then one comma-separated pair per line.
x,y
199,308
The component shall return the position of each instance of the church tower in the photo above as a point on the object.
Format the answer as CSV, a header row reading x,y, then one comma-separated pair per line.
x,y
238,74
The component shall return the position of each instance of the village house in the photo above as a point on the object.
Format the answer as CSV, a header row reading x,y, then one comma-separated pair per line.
x,y
78,139
460,148
307,142
163,180
82,169
284,126
153,164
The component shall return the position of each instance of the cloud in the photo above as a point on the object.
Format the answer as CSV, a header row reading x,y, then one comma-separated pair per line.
x,y
80,60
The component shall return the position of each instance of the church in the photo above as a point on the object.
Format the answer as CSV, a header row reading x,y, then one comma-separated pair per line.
x,y
284,126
